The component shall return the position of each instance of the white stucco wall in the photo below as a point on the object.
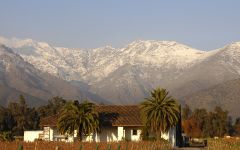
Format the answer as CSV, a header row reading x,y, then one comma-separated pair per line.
x,y
59,137
30,136
120,133
89,138
129,133
165,136
107,134
113,134
136,137
170,136
70,138
46,132
51,134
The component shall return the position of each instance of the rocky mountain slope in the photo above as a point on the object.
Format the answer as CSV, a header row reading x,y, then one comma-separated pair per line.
x,y
96,64
19,77
226,95
126,75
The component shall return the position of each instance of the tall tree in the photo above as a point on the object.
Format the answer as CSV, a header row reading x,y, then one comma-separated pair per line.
x,y
220,121
201,116
6,120
237,126
25,118
53,107
160,112
191,127
81,117
230,128
186,112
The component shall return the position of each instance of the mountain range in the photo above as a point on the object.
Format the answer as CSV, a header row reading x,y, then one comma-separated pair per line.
x,y
123,75
19,77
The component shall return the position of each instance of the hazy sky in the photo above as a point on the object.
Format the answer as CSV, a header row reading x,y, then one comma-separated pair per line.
x,y
203,24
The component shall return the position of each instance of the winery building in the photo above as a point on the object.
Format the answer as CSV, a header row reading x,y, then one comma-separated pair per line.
x,y
117,123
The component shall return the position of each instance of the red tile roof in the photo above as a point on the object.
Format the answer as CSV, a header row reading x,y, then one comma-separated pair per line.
x,y
109,115
49,121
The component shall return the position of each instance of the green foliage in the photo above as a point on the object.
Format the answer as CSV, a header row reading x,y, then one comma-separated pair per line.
x,y
209,124
25,118
6,136
145,135
81,147
230,127
16,118
217,123
97,146
236,127
109,146
201,116
6,120
20,147
78,116
160,112
119,147
53,107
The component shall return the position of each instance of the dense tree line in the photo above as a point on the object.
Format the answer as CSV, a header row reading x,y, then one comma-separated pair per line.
x,y
53,107
203,123
18,116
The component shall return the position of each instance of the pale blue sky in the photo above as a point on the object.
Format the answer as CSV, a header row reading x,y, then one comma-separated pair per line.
x,y
203,24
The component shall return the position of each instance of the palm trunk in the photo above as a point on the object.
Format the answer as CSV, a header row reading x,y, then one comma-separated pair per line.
x,y
158,135
79,135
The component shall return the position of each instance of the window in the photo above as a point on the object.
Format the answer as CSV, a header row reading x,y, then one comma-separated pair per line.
x,y
134,132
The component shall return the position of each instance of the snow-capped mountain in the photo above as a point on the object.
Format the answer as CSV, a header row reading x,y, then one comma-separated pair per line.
x,y
19,77
95,64
126,75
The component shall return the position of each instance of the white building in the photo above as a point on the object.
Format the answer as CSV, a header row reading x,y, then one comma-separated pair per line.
x,y
117,123
31,136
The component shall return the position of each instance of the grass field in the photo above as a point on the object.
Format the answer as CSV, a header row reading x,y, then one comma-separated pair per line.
x,y
224,144
86,146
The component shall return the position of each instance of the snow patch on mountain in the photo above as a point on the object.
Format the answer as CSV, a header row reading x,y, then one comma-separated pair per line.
x,y
94,65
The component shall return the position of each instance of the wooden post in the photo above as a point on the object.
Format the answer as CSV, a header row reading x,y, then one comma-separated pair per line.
x,y
20,147
119,147
56,148
97,147
80,147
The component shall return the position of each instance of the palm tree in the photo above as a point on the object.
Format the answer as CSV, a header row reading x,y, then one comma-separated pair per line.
x,y
160,112
81,117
